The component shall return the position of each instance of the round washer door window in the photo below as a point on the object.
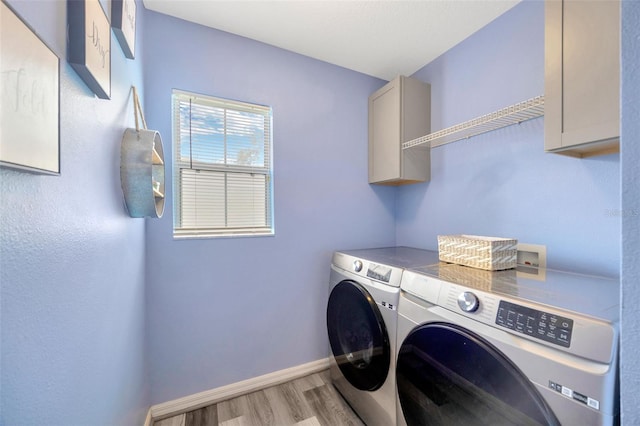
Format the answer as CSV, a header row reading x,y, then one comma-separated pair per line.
x,y
358,336
447,375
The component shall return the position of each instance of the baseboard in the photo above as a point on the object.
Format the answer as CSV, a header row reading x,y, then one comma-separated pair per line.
x,y
213,396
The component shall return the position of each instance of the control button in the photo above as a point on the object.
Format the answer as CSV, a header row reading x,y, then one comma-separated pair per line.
x,y
564,336
555,386
357,265
468,302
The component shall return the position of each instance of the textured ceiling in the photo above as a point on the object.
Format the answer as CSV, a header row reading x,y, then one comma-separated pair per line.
x,y
379,38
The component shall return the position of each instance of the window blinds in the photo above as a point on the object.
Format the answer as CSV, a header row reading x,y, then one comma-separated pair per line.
x,y
222,167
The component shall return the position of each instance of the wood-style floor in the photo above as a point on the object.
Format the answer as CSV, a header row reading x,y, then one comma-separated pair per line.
x,y
307,401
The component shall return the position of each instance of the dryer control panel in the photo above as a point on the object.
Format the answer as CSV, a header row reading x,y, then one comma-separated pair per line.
x,y
532,322
379,272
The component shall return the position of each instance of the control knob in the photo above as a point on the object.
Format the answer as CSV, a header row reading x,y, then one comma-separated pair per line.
x,y
468,302
357,265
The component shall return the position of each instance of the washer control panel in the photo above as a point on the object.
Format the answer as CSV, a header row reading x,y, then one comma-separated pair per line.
x,y
532,322
544,324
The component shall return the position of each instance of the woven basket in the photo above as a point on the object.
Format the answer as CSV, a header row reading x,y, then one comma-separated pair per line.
x,y
488,253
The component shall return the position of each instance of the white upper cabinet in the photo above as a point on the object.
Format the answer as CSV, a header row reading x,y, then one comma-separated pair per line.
x,y
582,77
399,112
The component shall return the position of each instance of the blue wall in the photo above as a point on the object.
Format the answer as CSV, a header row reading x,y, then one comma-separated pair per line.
x,y
72,261
224,310
630,209
502,183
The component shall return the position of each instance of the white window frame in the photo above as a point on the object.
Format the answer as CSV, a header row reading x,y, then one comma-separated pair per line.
x,y
215,214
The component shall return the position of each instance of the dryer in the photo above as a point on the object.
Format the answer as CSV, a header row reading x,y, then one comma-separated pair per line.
x,y
512,347
361,326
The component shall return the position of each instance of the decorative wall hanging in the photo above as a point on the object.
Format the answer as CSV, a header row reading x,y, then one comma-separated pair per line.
x,y
29,99
123,22
90,44
142,168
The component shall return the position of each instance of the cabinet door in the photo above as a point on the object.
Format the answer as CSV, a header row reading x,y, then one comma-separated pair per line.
x,y
582,76
384,133
398,112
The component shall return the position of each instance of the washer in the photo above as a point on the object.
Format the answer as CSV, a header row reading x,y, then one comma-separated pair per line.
x,y
361,325
511,347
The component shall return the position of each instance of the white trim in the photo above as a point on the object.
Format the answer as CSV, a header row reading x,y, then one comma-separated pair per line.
x,y
213,396
148,419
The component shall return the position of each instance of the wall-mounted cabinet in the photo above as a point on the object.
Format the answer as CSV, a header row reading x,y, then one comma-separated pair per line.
x,y
582,77
399,112
142,173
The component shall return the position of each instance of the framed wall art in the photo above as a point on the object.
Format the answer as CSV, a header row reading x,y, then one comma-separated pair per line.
x,y
123,22
29,99
90,44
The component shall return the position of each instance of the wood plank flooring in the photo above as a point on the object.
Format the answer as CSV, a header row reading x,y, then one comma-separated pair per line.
x,y
308,401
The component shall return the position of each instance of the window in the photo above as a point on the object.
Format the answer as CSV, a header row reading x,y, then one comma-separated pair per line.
x,y
222,169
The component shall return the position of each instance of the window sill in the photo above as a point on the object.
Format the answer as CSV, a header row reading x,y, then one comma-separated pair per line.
x,y
185,235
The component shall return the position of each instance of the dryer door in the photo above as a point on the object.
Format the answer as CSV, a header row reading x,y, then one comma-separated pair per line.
x,y
447,375
358,336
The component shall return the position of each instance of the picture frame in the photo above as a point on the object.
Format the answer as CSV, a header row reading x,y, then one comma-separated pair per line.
x,y
30,98
90,44
123,22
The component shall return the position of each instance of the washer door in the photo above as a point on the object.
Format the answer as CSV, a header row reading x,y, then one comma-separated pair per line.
x,y
358,336
447,375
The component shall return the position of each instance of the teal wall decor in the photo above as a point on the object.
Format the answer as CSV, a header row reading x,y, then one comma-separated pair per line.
x,y
142,168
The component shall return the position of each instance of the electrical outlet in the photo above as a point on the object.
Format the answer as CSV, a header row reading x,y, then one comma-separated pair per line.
x,y
532,255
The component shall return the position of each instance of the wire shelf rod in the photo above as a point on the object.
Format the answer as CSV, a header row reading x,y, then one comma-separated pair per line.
x,y
513,114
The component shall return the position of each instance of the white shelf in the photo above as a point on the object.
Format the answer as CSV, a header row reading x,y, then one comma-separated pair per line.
x,y
514,114
156,159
